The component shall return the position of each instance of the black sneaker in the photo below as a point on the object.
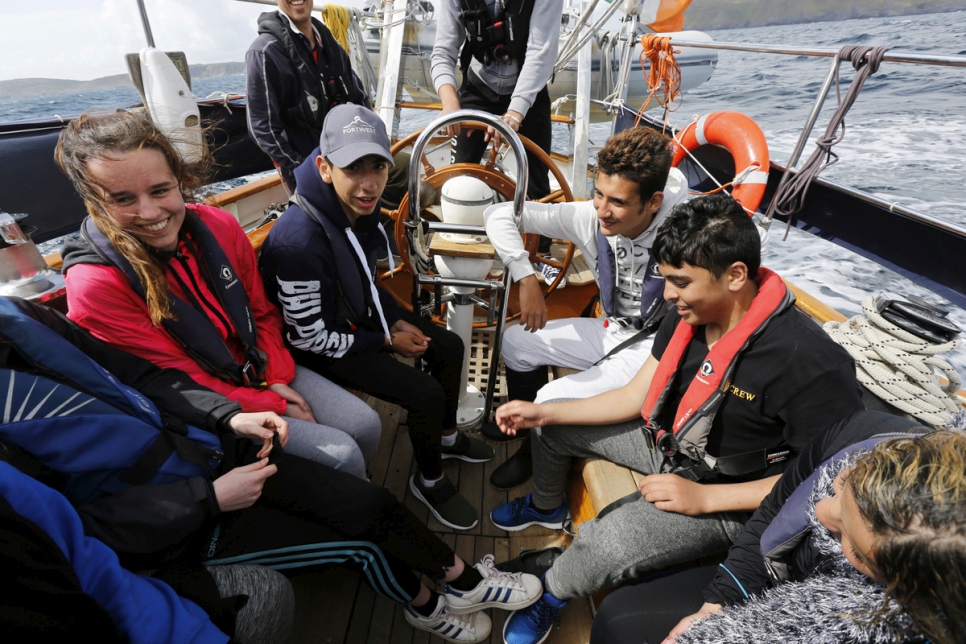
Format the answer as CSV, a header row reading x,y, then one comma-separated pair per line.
x,y
491,432
515,470
531,562
471,450
445,503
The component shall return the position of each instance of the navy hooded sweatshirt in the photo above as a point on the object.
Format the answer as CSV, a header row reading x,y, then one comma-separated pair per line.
x,y
302,277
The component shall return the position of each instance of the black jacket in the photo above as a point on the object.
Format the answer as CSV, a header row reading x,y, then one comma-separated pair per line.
x,y
303,278
146,519
274,88
771,400
745,560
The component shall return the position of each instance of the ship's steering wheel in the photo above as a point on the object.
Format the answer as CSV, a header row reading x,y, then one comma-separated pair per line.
x,y
501,183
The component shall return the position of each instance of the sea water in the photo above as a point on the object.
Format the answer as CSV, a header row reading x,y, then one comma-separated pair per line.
x,y
904,138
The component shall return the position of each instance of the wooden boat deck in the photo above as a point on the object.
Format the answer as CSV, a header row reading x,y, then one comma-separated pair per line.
x,y
335,605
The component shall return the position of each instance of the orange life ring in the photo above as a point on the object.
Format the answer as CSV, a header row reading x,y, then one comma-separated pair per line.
x,y
746,142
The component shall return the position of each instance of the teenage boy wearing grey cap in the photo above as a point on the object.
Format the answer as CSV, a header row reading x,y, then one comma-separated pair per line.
x,y
318,264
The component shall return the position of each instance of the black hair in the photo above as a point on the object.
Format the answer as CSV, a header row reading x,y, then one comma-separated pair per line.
x,y
711,232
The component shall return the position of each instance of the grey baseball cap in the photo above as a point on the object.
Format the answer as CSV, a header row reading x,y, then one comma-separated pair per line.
x,y
351,132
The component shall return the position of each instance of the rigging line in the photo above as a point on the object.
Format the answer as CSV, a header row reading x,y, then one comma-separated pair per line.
x,y
564,56
665,72
576,31
791,197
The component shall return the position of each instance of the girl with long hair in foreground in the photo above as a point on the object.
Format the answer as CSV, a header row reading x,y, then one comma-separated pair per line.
x,y
176,283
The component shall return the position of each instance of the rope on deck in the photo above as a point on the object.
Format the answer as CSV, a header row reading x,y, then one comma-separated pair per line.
x,y
898,366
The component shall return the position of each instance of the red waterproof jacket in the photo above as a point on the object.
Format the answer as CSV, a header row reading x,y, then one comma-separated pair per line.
x,y
101,300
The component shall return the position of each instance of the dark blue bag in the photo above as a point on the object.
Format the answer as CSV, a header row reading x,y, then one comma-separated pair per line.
x,y
79,420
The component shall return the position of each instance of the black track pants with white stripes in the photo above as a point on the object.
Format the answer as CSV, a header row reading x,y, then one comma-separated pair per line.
x,y
313,515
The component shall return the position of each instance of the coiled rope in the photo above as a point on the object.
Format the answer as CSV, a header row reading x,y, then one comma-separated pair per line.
x,y
865,61
665,72
337,18
898,366
343,22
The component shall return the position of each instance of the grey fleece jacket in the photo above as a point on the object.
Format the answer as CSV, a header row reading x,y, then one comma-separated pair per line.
x,y
503,78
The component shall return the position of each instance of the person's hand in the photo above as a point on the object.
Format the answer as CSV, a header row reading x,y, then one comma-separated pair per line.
x,y
519,414
513,119
407,340
402,325
261,425
408,344
685,624
673,493
240,488
533,307
447,96
297,407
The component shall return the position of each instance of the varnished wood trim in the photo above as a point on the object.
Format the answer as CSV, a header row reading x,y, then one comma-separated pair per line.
x,y
241,192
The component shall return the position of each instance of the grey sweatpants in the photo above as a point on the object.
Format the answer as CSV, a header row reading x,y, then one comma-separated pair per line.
x,y
634,538
347,433
267,616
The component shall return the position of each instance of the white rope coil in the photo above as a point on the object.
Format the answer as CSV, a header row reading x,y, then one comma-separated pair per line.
x,y
899,367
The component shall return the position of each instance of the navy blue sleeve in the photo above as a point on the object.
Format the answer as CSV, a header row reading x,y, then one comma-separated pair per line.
x,y
144,609
389,307
308,295
173,391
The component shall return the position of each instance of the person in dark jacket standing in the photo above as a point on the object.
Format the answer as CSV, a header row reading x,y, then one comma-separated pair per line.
x,y
318,264
842,524
296,71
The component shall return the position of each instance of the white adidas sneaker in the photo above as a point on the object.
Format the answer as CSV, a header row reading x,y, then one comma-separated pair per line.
x,y
474,627
498,589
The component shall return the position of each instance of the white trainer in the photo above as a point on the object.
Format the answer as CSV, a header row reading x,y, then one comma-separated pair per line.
x,y
451,627
498,589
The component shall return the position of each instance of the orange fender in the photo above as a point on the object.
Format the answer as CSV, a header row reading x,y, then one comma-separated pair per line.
x,y
746,142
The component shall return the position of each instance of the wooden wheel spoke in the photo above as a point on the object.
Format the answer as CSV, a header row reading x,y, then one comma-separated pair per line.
x,y
497,181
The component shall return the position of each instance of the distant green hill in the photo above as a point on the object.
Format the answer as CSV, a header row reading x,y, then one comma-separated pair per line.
x,y
733,14
23,87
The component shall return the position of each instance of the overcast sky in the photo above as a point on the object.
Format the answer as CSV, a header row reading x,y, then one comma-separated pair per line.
x,y
85,39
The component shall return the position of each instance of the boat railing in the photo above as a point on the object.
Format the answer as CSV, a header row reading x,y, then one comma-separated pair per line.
x,y
944,60
950,60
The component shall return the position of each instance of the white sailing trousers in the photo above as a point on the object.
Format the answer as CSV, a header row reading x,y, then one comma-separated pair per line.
x,y
577,343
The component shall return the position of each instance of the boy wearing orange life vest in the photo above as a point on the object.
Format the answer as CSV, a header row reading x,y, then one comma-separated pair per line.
x,y
738,382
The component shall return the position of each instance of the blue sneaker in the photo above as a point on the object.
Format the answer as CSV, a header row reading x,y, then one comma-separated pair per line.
x,y
532,624
549,272
518,514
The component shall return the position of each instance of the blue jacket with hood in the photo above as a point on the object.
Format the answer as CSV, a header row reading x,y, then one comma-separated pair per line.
x,y
303,275
59,579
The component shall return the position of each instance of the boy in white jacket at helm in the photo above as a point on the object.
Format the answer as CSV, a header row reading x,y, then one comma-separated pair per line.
x,y
636,188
